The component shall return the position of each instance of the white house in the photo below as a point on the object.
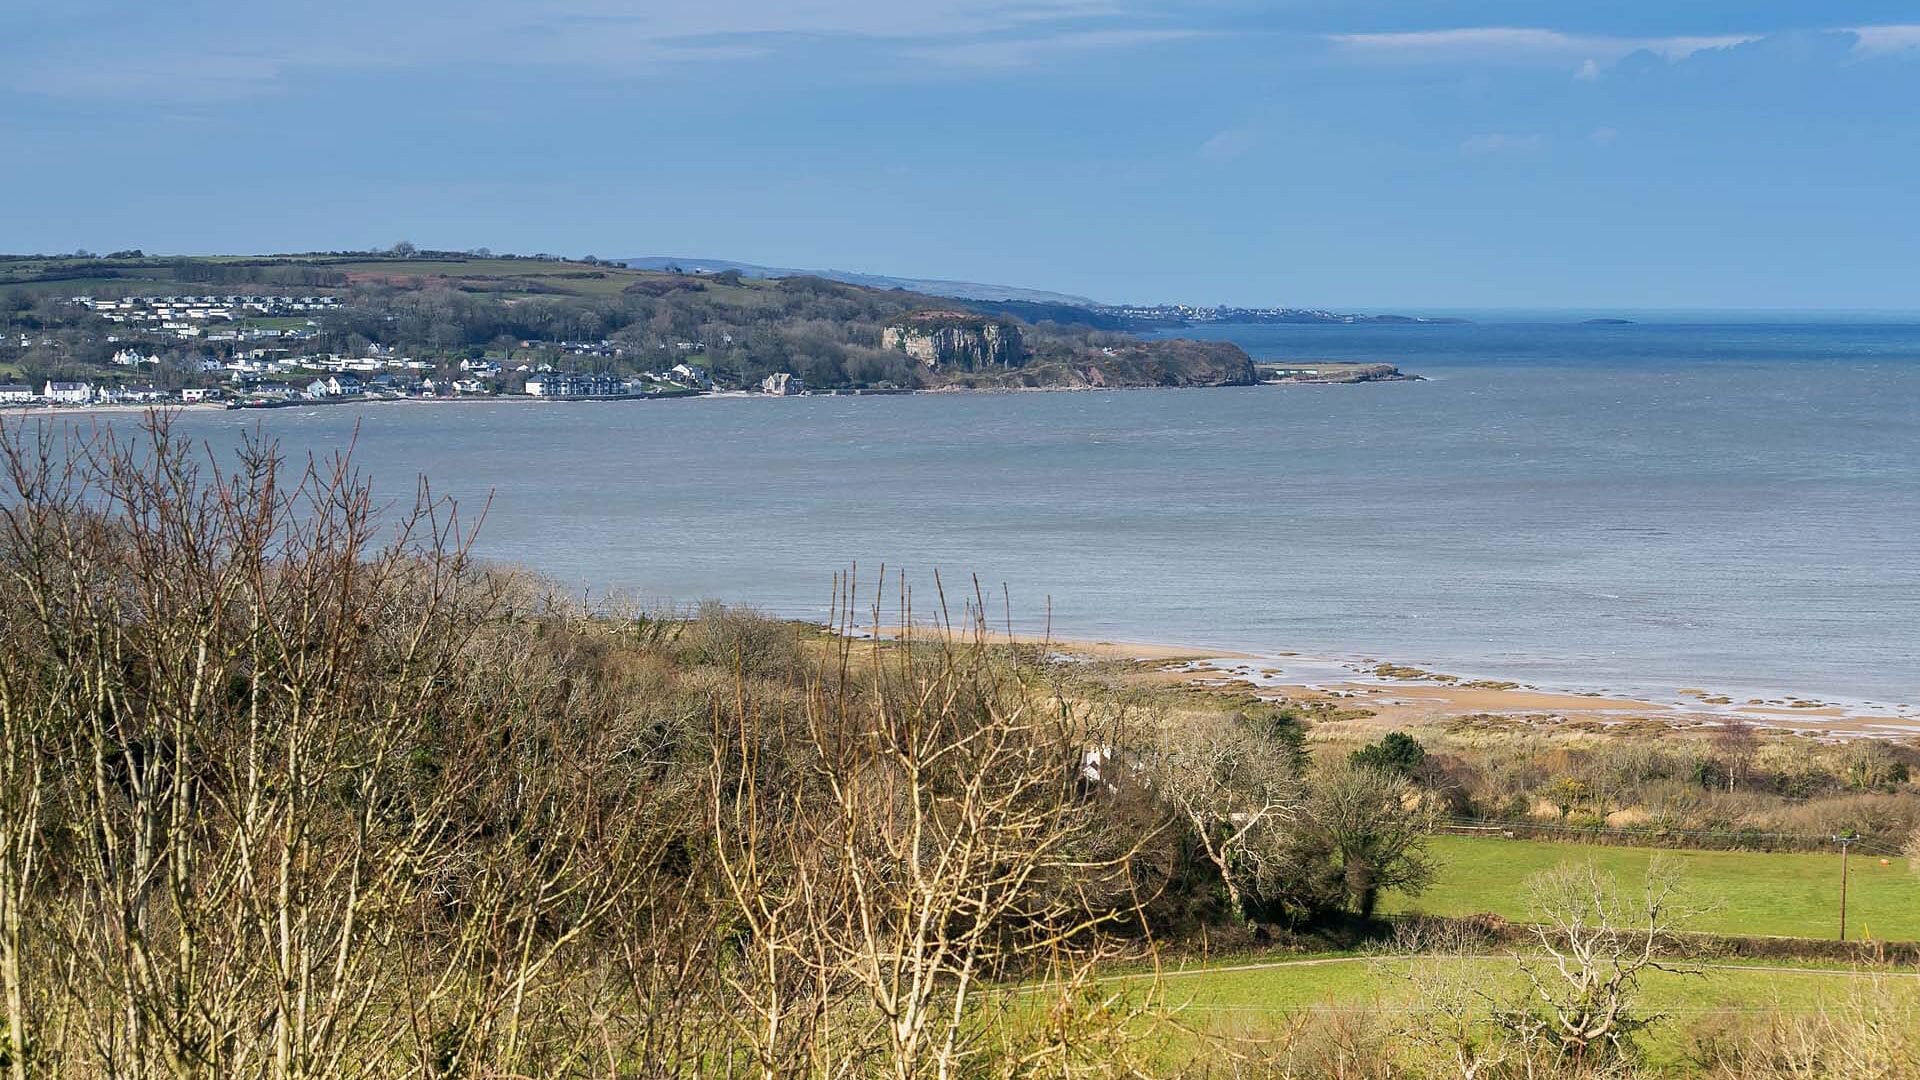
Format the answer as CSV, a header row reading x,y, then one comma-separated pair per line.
x,y
782,384
68,393
194,394
15,394
335,386
469,386
688,375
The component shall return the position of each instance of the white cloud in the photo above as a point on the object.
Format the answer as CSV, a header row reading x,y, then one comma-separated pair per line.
x,y
1885,40
1589,70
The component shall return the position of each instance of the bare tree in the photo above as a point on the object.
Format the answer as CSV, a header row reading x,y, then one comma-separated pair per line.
x,y
296,777
940,860
29,732
1596,945
1236,792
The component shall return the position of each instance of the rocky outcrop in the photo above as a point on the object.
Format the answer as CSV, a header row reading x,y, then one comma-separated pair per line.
x,y
956,340
1310,372
1139,363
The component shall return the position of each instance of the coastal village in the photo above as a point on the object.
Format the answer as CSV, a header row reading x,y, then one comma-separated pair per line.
x,y
265,367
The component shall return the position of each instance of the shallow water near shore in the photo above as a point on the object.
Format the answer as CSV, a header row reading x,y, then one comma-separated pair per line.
x,y
1635,509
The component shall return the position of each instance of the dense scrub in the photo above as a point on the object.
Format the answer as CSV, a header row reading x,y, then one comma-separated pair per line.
x,y
289,789
1735,786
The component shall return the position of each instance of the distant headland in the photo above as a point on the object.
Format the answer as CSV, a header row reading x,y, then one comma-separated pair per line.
x,y
128,328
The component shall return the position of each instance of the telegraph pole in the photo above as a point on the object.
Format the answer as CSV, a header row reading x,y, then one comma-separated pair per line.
x,y
1844,839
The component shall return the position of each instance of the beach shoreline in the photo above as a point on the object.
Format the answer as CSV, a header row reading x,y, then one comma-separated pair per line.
x,y
1400,696
1403,696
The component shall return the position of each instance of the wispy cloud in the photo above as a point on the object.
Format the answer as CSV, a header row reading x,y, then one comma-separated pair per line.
x,y
1484,42
1593,51
261,47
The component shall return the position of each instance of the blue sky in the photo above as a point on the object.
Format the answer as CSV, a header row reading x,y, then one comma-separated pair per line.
x,y
1417,153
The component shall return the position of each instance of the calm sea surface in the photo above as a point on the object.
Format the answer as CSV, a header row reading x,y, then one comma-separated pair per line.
x,y
1731,505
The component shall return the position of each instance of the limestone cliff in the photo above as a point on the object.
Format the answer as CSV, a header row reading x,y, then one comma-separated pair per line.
x,y
956,340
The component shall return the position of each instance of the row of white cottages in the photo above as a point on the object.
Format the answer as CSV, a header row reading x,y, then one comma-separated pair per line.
x,y
84,393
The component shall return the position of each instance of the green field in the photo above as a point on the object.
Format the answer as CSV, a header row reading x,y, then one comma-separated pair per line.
x,y
1746,893
1253,1000
1749,892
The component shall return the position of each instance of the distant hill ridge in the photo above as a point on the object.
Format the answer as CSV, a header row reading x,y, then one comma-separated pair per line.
x,y
959,290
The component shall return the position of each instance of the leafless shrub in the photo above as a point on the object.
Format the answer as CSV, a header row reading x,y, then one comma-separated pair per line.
x,y
1449,1018
913,848
1596,943
1871,1034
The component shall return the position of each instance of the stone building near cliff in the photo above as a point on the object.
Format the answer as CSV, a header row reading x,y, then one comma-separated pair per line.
x,y
956,339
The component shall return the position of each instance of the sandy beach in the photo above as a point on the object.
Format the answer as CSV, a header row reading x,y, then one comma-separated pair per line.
x,y
1396,697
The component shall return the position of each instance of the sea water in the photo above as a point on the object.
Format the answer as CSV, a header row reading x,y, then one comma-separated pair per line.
x,y
1721,502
